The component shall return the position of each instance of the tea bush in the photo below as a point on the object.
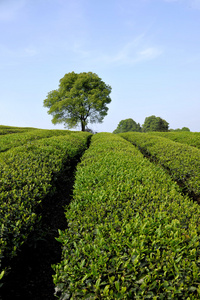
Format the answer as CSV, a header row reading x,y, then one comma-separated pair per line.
x,y
131,233
9,141
189,138
26,177
182,161
11,129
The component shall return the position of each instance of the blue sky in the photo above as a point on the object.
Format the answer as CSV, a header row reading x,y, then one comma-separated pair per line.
x,y
148,51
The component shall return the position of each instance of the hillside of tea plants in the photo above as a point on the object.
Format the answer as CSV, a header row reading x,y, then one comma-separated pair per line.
x,y
184,137
30,161
133,222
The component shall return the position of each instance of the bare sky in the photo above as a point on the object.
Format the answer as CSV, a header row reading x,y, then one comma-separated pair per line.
x,y
147,50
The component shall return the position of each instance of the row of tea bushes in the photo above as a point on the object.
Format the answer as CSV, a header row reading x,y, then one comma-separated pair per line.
x,y
26,177
189,138
9,141
10,129
182,161
131,234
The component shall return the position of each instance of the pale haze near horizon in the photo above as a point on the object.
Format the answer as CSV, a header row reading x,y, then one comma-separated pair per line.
x,y
148,51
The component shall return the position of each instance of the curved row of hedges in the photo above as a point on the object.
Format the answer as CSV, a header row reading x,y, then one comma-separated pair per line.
x,y
9,141
189,138
131,234
26,175
11,129
182,161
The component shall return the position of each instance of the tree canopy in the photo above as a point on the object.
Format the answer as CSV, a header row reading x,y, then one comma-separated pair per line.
x,y
127,125
182,129
154,123
80,99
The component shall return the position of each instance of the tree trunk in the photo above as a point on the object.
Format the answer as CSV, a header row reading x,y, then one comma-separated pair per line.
x,y
82,125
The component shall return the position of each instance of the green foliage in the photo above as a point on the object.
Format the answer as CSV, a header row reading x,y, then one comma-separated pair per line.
x,y
131,234
9,141
26,177
182,161
183,137
127,125
80,98
10,129
183,129
154,123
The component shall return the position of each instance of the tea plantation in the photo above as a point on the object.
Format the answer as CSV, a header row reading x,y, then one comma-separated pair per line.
x,y
133,222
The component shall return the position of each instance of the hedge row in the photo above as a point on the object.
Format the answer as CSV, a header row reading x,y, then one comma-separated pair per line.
x,y
182,161
131,234
26,175
10,129
9,141
189,138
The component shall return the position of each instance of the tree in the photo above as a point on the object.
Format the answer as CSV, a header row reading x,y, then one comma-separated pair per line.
x,y
154,123
127,125
80,98
183,129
